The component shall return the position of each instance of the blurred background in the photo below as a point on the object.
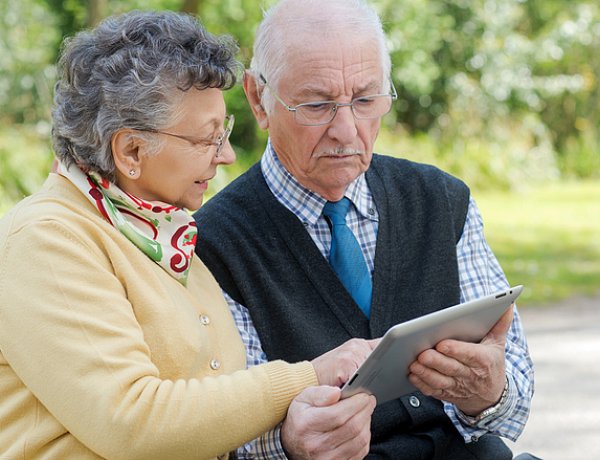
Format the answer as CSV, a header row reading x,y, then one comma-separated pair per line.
x,y
501,93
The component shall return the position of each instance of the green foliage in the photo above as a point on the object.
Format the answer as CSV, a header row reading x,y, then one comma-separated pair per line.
x,y
547,238
238,18
499,73
25,159
507,78
581,155
26,61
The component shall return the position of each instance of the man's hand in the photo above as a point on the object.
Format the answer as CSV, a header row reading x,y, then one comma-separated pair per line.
x,y
337,366
320,426
471,376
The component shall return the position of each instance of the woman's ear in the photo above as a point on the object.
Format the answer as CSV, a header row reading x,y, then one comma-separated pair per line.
x,y
253,94
126,154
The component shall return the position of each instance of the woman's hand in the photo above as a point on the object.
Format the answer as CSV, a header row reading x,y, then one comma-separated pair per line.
x,y
337,366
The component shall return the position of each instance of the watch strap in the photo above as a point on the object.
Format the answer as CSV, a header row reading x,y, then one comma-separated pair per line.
x,y
484,417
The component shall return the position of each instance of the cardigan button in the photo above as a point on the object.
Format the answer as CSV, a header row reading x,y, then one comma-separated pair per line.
x,y
215,364
414,401
204,320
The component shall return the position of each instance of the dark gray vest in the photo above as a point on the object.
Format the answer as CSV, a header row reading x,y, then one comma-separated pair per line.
x,y
262,256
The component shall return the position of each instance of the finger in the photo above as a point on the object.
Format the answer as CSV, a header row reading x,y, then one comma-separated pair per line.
x,y
321,396
343,411
357,446
443,364
498,332
471,355
354,436
344,420
424,387
327,418
373,343
336,366
432,378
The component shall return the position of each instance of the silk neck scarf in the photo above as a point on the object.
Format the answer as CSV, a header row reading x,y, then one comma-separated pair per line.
x,y
165,233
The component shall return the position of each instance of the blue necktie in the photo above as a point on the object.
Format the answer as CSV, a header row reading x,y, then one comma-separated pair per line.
x,y
346,257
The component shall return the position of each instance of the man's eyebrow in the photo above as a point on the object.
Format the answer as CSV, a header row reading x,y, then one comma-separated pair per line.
x,y
315,93
370,88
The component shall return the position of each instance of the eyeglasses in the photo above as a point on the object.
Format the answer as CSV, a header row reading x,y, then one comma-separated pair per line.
x,y
203,144
322,112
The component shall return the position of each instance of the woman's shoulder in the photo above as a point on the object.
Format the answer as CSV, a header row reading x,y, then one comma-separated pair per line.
x,y
57,207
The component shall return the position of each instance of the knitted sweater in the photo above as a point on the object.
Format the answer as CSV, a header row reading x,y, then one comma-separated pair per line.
x,y
103,354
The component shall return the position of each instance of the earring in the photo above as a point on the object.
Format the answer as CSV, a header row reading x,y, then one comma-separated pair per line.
x,y
132,172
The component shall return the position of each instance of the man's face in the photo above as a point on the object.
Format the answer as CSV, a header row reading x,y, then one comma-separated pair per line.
x,y
340,70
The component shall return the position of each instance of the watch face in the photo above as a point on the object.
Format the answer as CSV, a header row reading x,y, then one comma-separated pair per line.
x,y
486,416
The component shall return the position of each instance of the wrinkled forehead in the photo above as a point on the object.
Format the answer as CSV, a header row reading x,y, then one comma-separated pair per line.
x,y
335,56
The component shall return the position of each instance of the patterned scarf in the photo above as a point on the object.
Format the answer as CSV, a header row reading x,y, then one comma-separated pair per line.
x,y
165,233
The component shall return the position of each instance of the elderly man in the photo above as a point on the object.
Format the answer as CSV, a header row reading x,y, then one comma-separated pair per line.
x,y
277,240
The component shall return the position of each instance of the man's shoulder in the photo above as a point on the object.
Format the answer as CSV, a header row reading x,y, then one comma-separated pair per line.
x,y
231,209
238,192
412,173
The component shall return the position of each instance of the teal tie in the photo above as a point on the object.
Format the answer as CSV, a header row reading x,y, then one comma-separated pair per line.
x,y
346,257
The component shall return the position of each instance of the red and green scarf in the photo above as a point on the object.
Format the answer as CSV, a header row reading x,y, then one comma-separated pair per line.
x,y
165,233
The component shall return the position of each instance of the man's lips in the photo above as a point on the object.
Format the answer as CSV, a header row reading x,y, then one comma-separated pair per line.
x,y
338,153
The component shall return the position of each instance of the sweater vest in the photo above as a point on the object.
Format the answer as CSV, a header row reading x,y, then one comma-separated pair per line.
x,y
263,257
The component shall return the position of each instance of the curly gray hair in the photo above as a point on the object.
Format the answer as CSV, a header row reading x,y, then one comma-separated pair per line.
x,y
127,73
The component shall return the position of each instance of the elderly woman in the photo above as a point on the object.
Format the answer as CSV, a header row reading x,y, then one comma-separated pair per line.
x,y
115,340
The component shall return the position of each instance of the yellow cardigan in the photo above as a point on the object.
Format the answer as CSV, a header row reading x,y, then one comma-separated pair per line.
x,y
103,354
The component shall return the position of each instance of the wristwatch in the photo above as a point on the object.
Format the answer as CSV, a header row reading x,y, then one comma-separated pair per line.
x,y
487,415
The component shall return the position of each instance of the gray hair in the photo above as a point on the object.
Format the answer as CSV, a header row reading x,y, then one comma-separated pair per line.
x,y
131,72
272,35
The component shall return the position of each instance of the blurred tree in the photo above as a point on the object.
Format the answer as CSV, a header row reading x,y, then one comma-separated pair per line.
x,y
96,11
488,88
26,70
190,6
495,70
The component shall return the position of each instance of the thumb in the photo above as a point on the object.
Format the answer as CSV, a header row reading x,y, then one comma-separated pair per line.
x,y
372,343
497,333
320,396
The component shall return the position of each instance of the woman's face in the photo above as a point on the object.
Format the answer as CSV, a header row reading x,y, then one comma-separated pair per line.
x,y
179,173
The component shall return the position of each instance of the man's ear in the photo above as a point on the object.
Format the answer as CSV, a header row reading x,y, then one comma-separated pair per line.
x,y
126,154
253,94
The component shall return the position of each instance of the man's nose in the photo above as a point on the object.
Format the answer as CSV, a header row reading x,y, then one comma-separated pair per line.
x,y
343,126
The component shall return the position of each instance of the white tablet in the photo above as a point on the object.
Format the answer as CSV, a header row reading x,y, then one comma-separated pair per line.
x,y
384,373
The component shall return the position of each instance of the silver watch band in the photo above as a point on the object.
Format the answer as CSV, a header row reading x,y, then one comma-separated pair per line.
x,y
484,417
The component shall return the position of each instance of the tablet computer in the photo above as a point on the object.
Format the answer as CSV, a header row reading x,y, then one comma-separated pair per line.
x,y
384,373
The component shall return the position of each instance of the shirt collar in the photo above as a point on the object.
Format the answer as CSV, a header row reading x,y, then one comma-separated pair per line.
x,y
304,203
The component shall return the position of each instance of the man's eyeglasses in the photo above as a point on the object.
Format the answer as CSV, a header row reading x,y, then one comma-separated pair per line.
x,y
323,112
203,144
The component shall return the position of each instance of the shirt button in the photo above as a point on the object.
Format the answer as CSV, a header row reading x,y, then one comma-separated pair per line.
x,y
306,223
414,401
204,320
371,211
215,364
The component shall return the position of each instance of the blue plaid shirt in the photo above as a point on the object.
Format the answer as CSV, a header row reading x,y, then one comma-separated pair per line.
x,y
479,273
